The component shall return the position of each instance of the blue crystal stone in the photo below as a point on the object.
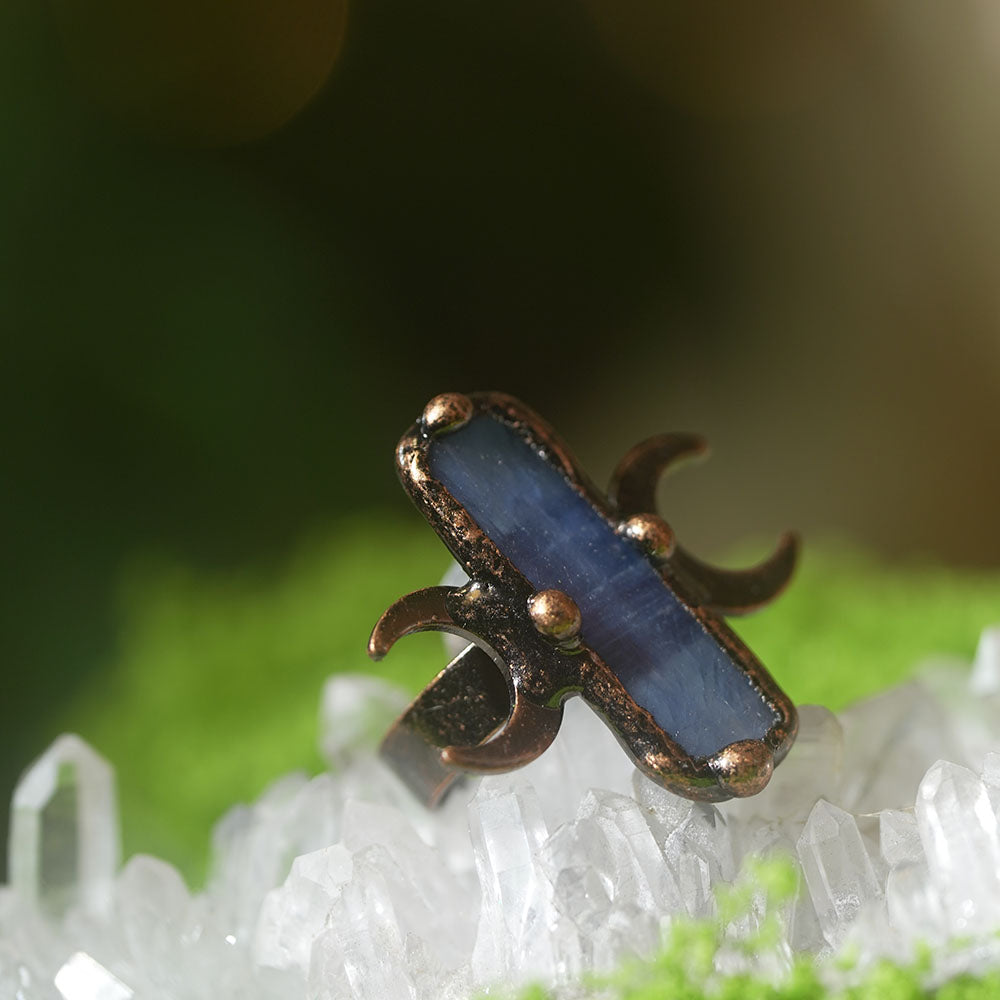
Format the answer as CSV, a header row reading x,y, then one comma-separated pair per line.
x,y
661,653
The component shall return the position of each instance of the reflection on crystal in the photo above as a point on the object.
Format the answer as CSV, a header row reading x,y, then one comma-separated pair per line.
x,y
958,829
63,847
341,887
899,838
81,978
985,678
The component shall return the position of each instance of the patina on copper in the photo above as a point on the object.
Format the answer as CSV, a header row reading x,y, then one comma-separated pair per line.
x,y
498,704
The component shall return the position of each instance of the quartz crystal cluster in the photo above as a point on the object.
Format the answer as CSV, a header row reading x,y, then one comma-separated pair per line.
x,y
340,886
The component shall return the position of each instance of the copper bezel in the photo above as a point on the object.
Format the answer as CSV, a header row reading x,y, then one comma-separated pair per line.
x,y
545,674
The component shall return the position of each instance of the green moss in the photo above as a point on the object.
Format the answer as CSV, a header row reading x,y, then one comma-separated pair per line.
x,y
215,688
685,967
967,987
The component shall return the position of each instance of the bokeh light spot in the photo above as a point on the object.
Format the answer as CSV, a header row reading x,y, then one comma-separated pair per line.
x,y
714,57
203,72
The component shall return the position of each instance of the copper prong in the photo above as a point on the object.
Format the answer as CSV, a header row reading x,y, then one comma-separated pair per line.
x,y
740,591
634,481
422,611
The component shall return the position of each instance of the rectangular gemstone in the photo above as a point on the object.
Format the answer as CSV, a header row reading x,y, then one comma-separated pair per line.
x,y
661,653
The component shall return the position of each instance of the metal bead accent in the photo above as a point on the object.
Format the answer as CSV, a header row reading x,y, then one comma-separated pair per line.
x,y
651,533
447,412
743,768
555,615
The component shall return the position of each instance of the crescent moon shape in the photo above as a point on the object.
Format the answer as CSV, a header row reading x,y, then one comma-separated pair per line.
x,y
739,591
528,733
634,481
422,611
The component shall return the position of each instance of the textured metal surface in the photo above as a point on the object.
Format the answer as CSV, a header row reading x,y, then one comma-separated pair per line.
x,y
537,672
463,706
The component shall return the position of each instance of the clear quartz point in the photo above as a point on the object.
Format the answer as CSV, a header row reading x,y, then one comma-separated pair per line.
x,y
958,829
343,887
633,859
430,902
696,843
154,908
610,880
837,869
295,914
371,934
899,837
508,830
64,846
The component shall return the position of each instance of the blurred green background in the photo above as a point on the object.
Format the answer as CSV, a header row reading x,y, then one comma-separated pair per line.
x,y
242,243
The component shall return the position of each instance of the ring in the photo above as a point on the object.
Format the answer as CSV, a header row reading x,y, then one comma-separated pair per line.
x,y
572,592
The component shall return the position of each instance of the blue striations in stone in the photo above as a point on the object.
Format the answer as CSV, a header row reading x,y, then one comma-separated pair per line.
x,y
661,653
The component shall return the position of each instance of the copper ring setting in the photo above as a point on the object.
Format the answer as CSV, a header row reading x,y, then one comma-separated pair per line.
x,y
573,592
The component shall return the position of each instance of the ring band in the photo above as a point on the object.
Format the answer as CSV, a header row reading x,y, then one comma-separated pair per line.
x,y
463,706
